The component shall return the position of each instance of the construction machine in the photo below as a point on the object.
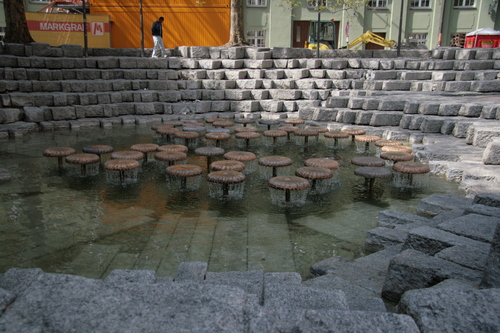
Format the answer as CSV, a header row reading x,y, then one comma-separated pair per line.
x,y
370,37
327,35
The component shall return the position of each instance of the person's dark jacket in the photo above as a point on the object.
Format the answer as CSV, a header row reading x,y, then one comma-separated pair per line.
x,y
156,29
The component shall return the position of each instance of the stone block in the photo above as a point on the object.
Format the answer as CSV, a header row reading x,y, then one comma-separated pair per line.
x,y
483,210
431,241
474,226
381,238
271,105
245,106
485,86
415,270
393,218
233,53
191,272
487,199
386,118
464,256
470,110
221,106
363,117
277,295
452,309
63,113
428,108
248,84
296,74
232,63
33,114
283,94
252,282
491,276
483,135
396,85
391,105
17,280
431,124
324,114
237,94
258,63
346,116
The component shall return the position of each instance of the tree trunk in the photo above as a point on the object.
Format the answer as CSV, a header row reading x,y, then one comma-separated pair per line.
x,y
236,33
16,30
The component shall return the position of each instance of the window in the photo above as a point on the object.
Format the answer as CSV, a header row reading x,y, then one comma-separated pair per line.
x,y
317,3
378,3
256,37
418,39
464,3
420,3
257,3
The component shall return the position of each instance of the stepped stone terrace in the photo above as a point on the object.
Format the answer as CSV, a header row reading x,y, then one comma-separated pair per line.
x,y
440,263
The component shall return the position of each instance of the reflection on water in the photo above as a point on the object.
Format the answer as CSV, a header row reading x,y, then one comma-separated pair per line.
x,y
64,223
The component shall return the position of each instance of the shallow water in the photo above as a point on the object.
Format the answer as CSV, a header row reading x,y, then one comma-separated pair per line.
x,y
63,223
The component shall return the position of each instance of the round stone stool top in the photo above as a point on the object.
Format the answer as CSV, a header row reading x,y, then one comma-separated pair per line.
x,y
354,131
247,135
336,135
306,132
294,121
275,161
187,135
223,123
244,121
59,151
314,173
274,133
227,165
170,156
218,130
127,155
368,161
246,129
165,130
319,129
322,163
217,136
268,122
209,151
292,183
181,148
411,167
121,165
396,156
82,158
226,177
183,170
175,123
97,149
212,120
366,138
193,124
382,143
242,156
373,172
389,149
288,129
144,147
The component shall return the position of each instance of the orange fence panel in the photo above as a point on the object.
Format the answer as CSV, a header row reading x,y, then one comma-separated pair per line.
x,y
186,22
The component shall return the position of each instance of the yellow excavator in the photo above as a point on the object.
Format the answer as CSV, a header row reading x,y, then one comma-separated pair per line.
x,y
327,40
370,37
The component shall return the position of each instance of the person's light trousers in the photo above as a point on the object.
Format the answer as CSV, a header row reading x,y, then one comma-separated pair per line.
x,y
159,48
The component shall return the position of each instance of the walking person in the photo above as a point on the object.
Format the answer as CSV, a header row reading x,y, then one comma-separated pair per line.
x,y
157,31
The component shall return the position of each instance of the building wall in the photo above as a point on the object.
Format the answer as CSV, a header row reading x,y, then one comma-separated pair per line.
x,y
417,22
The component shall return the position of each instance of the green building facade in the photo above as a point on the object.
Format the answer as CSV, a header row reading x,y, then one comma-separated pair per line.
x,y
428,23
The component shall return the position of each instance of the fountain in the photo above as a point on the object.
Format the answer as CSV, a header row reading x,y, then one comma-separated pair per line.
x,y
274,162
231,181
209,152
243,156
170,157
218,137
60,153
289,184
189,138
98,150
88,163
411,174
247,136
316,174
185,172
145,148
274,135
126,170
335,135
365,140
